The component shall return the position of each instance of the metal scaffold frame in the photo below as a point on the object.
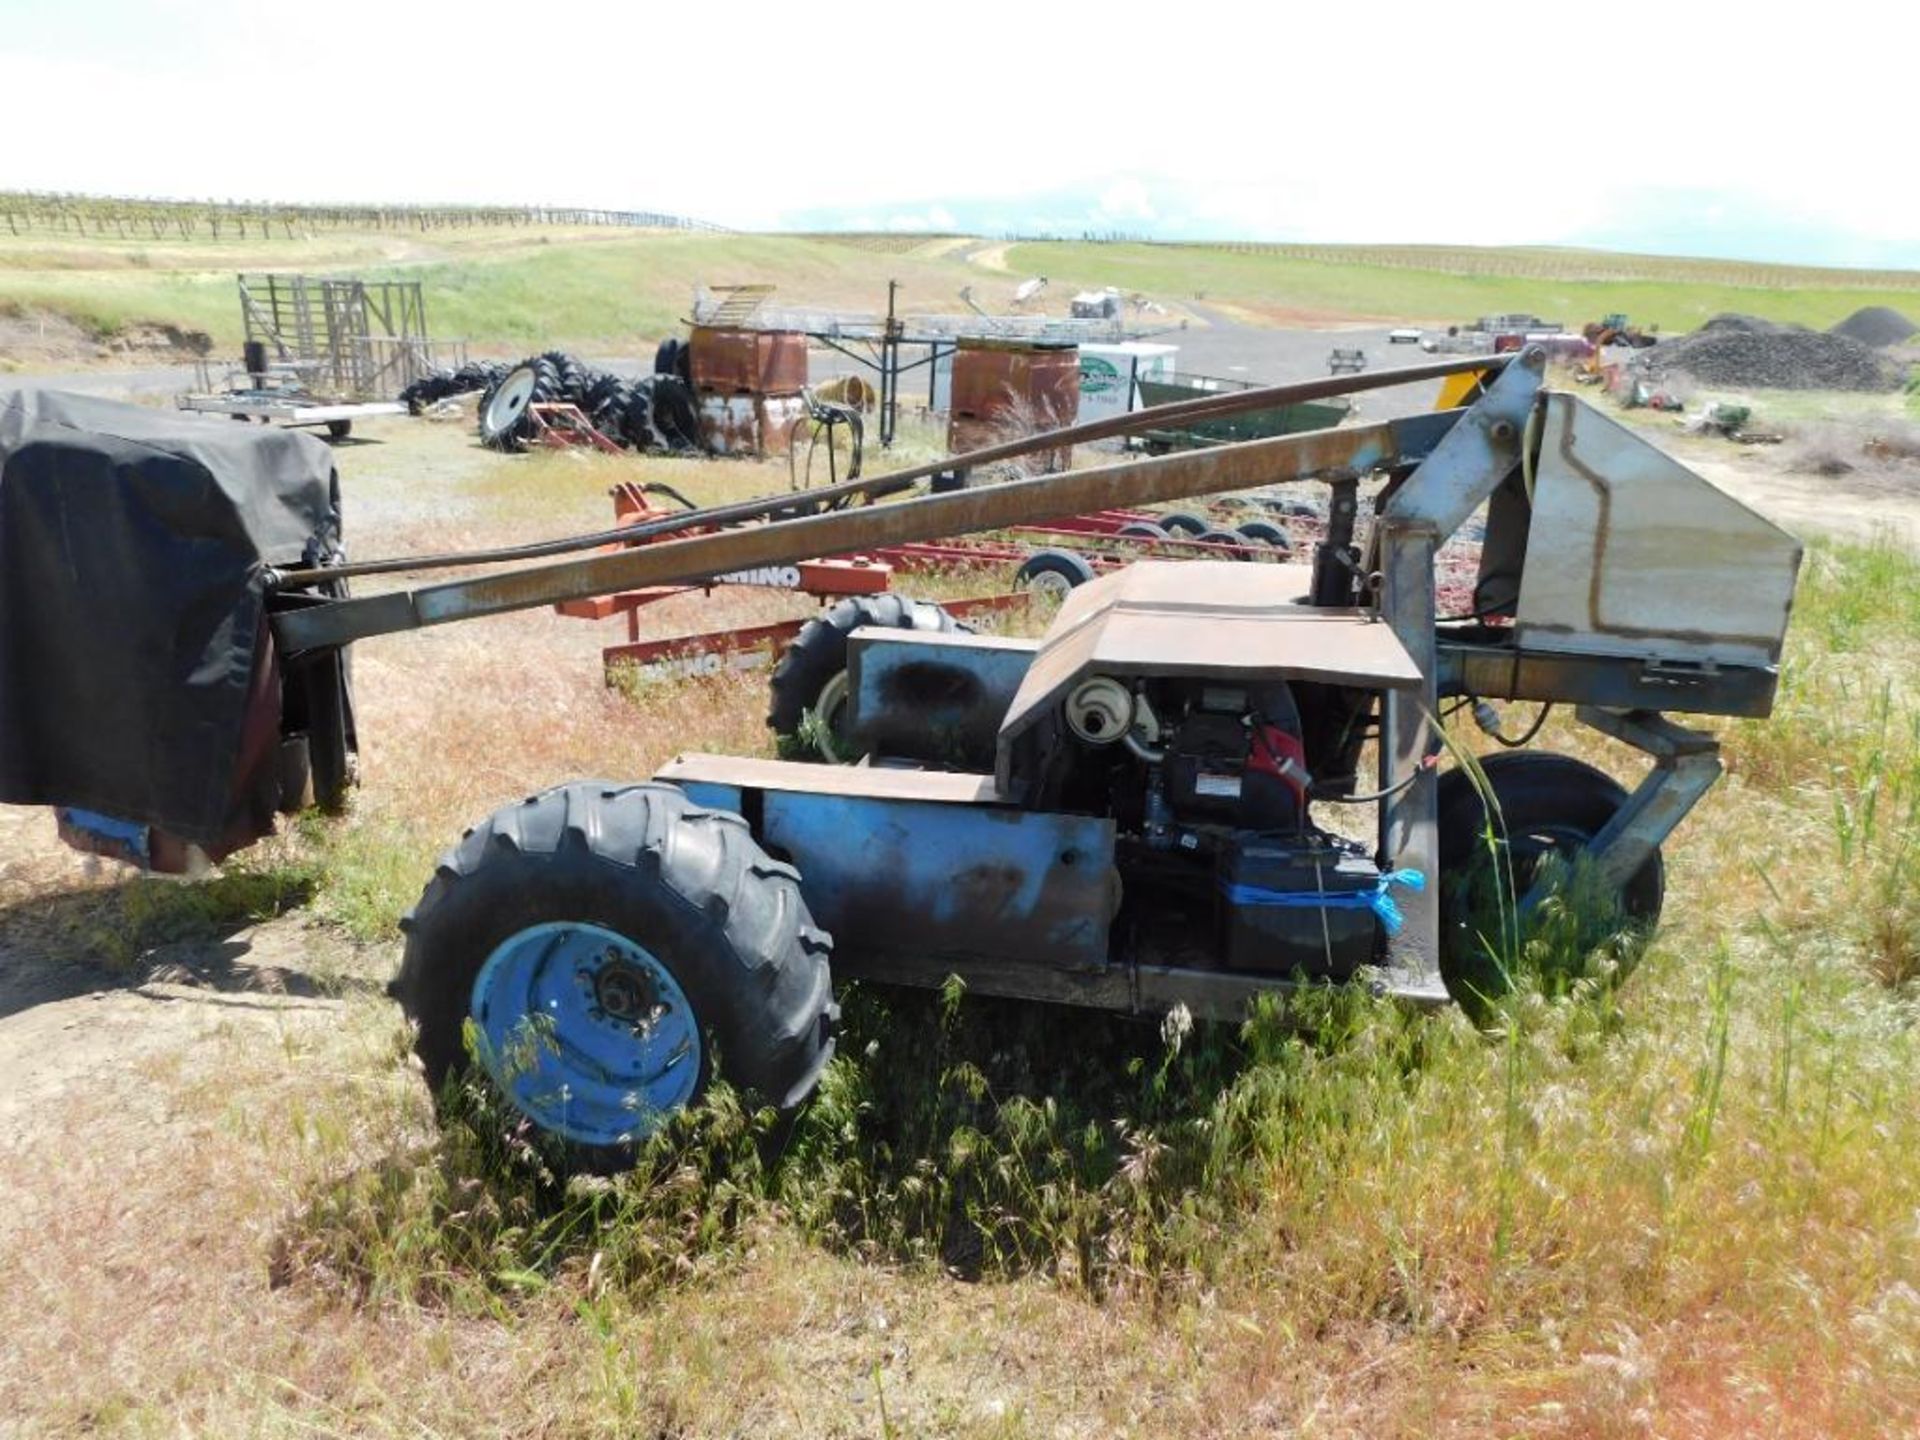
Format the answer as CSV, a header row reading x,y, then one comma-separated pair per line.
x,y
346,338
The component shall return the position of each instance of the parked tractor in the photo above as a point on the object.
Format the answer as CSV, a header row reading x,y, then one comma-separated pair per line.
x,y
1134,812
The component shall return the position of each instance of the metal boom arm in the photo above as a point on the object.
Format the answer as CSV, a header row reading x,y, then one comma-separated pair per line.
x,y
1320,453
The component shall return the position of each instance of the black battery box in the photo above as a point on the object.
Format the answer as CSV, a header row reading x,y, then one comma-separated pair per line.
x,y
1303,905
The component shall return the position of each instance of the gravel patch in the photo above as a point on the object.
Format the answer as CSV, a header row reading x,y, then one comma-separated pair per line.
x,y
1746,351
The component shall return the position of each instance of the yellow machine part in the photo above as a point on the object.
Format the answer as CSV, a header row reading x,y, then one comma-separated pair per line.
x,y
1458,390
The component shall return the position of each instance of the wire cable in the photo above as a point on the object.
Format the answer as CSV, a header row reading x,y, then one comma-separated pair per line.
x,y
1532,730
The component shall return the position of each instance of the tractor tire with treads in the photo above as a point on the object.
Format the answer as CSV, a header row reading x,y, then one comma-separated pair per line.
x,y
504,420
811,678
612,945
675,413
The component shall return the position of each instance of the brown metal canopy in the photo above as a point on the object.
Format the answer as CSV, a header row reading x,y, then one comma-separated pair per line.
x,y
1218,619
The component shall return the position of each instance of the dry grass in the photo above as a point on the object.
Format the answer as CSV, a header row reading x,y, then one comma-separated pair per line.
x,y
1686,1209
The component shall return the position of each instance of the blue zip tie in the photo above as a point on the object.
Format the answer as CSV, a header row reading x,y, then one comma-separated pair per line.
x,y
1375,897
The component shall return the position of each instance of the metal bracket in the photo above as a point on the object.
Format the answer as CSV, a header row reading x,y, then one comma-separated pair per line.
x,y
1686,763
1462,471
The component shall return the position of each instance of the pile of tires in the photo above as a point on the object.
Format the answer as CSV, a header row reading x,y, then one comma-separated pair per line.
x,y
476,375
506,409
655,412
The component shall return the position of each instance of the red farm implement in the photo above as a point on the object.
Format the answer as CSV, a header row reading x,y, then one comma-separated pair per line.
x,y
1045,560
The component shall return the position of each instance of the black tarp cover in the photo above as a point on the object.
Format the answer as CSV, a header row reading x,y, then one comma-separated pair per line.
x,y
134,661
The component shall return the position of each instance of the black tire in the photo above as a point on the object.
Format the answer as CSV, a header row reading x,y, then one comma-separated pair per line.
x,y
636,415
1265,532
600,388
1141,530
1290,509
1241,550
572,375
339,429
811,676
1052,573
508,424
688,885
1547,803
675,413
1184,522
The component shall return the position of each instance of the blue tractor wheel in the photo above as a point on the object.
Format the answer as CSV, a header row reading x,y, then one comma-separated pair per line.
x,y
595,953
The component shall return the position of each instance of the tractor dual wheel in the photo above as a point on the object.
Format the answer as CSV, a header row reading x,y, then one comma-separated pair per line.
x,y
1545,804
611,948
505,422
809,690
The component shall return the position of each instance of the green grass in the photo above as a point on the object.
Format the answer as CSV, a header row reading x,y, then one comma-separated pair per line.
x,y
1459,284
524,288
515,290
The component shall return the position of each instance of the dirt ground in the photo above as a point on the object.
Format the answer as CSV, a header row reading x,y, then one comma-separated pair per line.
x,y
40,339
165,1110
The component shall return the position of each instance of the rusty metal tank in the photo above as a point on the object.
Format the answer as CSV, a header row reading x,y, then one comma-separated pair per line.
x,y
729,361
1007,388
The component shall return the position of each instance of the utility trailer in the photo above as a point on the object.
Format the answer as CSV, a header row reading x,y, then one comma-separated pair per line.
x,y
321,352
274,407
1123,814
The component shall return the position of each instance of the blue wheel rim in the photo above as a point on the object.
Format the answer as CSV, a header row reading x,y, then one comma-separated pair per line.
x,y
585,1032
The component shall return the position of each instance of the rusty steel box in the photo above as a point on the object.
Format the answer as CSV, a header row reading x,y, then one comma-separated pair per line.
x,y
964,434
1019,379
749,424
728,361
1005,389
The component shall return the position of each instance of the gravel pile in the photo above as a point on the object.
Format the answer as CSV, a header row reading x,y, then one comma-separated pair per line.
x,y
1878,326
1745,351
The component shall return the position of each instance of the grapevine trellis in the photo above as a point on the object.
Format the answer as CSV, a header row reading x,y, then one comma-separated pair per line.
x,y
27,212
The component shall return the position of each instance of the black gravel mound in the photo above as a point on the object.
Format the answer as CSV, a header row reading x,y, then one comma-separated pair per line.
x,y
1878,326
1749,352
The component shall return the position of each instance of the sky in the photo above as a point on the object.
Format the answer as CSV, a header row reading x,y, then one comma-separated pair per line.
x,y
1745,131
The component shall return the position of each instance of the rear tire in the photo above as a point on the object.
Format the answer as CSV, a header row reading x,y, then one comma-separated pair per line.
x,y
653,940
811,678
1547,803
